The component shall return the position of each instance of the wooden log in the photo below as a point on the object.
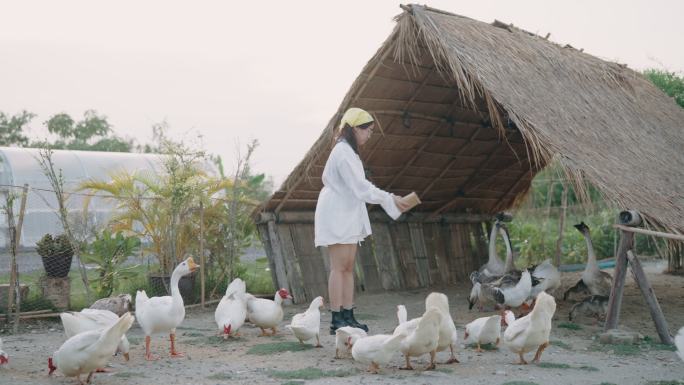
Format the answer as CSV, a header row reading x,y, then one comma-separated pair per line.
x,y
404,251
388,267
615,300
678,237
431,237
369,266
310,263
278,260
420,253
561,223
295,283
651,299
307,217
263,235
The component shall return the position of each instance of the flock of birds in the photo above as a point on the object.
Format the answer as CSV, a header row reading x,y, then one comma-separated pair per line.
x,y
94,335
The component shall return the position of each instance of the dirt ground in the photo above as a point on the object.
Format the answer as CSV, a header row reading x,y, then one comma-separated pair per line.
x,y
573,357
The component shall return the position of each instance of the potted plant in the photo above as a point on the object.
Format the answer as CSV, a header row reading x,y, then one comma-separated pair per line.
x,y
56,253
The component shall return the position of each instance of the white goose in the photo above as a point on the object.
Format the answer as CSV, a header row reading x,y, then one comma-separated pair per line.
x,y
376,350
345,337
531,331
548,278
484,330
679,343
163,314
88,351
232,310
422,339
267,314
93,319
448,336
4,357
307,325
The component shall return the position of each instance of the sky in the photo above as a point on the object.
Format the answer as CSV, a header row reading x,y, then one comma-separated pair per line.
x,y
221,73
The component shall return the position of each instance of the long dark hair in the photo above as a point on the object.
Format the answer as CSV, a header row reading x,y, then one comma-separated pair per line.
x,y
347,133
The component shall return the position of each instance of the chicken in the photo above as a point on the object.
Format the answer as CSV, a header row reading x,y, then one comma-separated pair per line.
x,y
231,312
307,325
424,338
267,314
448,336
484,330
345,338
377,350
531,331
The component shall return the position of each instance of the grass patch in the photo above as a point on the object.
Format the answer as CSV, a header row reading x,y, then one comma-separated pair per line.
x,y
569,326
588,368
630,349
293,383
278,347
366,316
129,375
220,376
193,334
561,344
651,342
488,347
607,383
310,373
134,340
444,370
519,383
665,382
553,365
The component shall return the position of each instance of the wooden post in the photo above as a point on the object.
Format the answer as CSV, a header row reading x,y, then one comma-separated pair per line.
x,y
15,268
281,275
547,212
561,223
201,253
651,299
615,301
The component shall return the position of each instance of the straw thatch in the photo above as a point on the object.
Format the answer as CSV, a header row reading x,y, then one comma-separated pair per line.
x,y
470,112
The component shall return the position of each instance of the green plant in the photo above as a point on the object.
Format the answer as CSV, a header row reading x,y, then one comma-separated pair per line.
x,y
109,253
277,347
60,246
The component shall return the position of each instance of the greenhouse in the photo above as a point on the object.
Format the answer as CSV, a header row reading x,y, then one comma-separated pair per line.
x,y
20,166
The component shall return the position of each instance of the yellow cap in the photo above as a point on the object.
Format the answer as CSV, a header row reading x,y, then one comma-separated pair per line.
x,y
355,117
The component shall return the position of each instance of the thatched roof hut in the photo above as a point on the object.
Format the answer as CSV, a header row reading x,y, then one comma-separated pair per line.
x,y
469,113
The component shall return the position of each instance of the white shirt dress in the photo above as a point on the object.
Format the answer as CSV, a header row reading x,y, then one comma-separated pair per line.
x,y
341,215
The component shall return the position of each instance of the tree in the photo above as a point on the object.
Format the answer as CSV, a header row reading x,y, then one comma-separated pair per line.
x,y
12,128
93,133
668,82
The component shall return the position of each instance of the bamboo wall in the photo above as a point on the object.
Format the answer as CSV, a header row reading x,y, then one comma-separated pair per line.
x,y
408,254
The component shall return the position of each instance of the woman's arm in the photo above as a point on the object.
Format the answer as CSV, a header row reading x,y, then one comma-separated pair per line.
x,y
352,173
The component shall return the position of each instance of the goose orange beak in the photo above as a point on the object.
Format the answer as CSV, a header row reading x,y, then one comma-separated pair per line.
x,y
192,265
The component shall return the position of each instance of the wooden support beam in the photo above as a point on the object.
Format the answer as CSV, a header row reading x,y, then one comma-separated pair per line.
x,y
639,230
448,166
278,258
413,158
466,186
615,300
651,299
512,188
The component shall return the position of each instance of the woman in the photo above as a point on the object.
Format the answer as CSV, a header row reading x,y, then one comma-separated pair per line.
x,y
341,221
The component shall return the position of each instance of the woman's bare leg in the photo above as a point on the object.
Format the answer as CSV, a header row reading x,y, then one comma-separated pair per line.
x,y
348,277
339,279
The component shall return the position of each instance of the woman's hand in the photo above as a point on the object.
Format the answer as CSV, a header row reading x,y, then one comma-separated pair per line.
x,y
401,205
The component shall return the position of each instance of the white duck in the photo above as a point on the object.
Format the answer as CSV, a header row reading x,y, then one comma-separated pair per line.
x,y
679,343
118,305
86,352
422,339
4,357
548,278
448,336
163,314
307,325
514,296
345,337
484,330
376,350
532,331
93,319
594,280
267,314
232,310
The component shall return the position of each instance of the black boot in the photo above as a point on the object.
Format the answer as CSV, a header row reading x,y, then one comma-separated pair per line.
x,y
348,315
337,322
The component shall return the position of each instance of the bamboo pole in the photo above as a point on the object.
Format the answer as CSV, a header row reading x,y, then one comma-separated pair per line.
x,y
615,300
561,222
679,237
17,242
651,299
201,254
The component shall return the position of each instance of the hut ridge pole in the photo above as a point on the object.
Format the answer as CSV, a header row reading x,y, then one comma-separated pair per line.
x,y
201,254
615,300
651,299
561,223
